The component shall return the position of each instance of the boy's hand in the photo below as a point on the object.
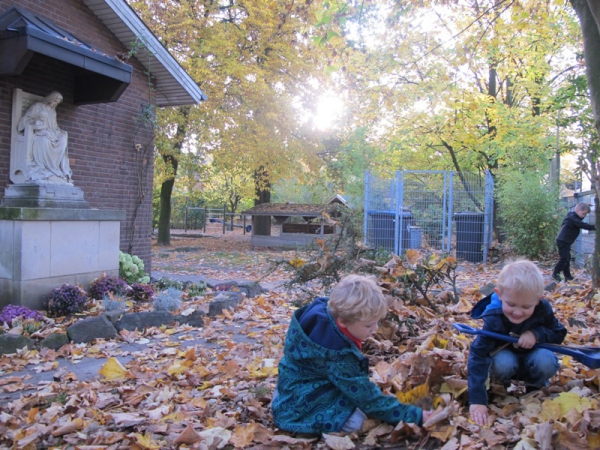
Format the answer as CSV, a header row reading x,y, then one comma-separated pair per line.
x,y
479,414
527,340
427,415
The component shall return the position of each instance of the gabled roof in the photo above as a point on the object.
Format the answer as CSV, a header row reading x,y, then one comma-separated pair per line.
x,y
173,84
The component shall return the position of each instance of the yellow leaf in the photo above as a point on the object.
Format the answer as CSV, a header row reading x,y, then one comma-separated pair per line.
x,y
264,372
205,385
146,441
550,411
297,262
565,402
412,256
454,386
113,370
177,369
175,417
415,394
593,440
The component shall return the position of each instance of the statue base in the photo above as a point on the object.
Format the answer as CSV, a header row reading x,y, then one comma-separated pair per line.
x,y
43,248
29,195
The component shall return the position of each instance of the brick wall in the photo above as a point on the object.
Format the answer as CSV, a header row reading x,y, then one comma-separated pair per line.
x,y
102,137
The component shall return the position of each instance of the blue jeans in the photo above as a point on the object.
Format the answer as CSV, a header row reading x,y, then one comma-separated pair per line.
x,y
354,422
535,368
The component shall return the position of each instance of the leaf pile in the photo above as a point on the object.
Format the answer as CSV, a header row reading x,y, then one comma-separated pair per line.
x,y
181,393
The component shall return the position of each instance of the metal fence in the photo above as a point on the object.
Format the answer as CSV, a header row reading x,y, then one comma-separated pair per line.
x,y
200,218
583,247
440,210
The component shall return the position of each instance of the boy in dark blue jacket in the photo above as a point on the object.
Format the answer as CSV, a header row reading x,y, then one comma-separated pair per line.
x,y
569,231
323,384
516,307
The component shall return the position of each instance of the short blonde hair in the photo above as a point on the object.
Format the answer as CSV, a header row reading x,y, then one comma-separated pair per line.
x,y
523,276
357,298
583,207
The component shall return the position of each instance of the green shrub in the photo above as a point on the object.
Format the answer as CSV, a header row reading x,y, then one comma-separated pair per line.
x,y
131,269
195,289
165,282
529,213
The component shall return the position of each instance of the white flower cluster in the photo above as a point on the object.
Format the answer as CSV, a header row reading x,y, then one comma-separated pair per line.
x,y
131,269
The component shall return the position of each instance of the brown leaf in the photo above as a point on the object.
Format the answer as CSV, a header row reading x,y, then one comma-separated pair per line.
x,y
187,436
69,427
338,442
543,434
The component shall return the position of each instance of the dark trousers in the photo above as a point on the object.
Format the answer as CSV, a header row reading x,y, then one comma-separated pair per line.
x,y
564,261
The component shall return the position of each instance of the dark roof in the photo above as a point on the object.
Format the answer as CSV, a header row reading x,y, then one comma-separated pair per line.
x,y
99,78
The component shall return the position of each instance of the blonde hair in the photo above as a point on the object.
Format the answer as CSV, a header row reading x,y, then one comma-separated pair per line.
x,y
522,276
357,298
583,207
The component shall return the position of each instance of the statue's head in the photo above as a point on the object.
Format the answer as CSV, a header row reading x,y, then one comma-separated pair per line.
x,y
53,98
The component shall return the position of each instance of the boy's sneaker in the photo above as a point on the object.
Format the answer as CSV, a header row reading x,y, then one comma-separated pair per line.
x,y
569,278
556,277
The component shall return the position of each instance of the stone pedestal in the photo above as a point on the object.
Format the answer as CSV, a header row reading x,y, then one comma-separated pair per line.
x,y
44,196
42,248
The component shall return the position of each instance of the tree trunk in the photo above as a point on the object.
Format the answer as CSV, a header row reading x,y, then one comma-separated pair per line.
x,y
166,189
261,225
590,31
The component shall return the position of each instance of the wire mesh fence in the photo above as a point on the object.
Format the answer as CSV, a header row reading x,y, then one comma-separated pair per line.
x,y
438,210
207,220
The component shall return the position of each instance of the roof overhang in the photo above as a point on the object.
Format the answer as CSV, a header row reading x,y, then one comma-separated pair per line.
x,y
98,77
174,86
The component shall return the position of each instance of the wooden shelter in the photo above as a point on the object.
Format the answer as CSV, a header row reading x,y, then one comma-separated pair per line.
x,y
296,224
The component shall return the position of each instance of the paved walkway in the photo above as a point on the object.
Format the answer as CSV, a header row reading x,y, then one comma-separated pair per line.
x,y
86,368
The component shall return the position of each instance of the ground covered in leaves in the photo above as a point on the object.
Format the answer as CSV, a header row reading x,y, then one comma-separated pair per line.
x,y
179,394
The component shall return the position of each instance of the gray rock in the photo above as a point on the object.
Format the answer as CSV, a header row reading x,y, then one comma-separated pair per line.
x,y
10,343
195,319
92,328
250,288
487,289
114,316
143,320
551,286
55,341
224,300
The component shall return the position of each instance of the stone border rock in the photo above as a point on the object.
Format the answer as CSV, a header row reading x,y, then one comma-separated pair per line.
x,y
108,325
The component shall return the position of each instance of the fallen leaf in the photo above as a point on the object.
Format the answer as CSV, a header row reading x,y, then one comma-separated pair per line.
x,y
112,370
187,436
338,442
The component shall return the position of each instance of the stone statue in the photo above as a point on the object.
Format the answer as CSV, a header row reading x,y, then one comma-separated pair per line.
x,y
47,155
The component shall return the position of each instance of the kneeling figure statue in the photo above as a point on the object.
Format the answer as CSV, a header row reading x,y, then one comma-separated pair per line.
x,y
47,155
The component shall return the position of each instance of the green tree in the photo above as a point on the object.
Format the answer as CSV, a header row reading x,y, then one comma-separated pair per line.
x,y
529,212
252,59
475,95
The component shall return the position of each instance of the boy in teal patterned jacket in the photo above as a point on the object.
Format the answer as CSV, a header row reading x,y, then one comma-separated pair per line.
x,y
323,384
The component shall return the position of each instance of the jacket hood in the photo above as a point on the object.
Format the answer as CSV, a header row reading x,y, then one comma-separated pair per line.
x,y
300,346
490,305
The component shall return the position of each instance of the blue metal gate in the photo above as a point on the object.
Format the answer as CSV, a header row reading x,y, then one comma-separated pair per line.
x,y
439,210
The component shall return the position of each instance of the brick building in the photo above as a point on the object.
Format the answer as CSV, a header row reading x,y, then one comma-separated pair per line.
x,y
80,49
